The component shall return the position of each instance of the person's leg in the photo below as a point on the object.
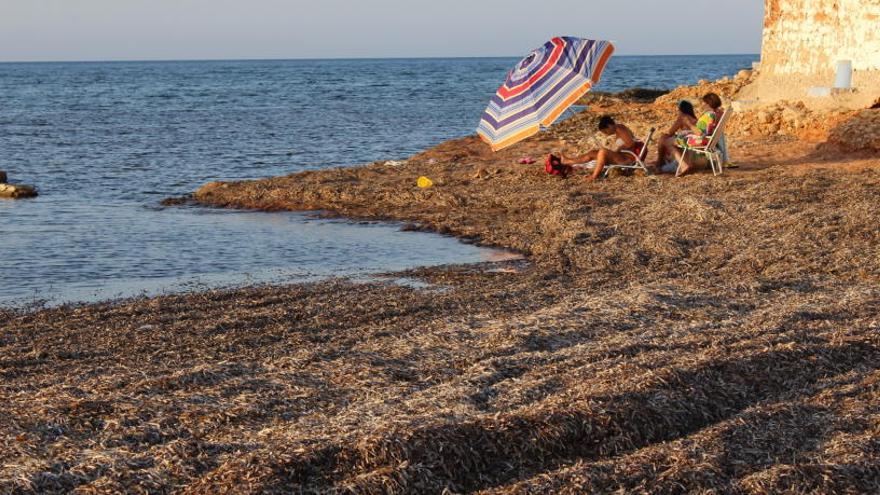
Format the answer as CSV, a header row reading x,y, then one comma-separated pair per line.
x,y
601,159
574,160
668,146
725,153
669,150
608,157
662,150
685,165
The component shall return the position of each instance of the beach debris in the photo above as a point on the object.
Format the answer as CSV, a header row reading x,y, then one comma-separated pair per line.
x,y
483,173
395,163
614,173
424,182
762,347
526,160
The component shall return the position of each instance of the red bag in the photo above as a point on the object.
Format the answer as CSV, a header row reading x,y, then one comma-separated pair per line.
x,y
554,166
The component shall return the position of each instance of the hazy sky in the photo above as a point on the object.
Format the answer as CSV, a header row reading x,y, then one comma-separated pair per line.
x,y
211,29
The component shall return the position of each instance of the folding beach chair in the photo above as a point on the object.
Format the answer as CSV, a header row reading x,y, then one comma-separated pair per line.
x,y
639,163
711,149
639,159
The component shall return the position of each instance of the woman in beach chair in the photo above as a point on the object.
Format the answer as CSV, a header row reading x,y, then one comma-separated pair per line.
x,y
685,120
625,152
701,132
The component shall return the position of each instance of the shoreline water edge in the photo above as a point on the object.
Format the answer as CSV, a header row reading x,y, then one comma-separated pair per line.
x,y
683,334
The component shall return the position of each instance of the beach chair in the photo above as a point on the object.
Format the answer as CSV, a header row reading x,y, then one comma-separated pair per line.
x,y
711,149
639,159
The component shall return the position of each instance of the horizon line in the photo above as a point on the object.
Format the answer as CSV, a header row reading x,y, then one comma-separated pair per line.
x,y
306,59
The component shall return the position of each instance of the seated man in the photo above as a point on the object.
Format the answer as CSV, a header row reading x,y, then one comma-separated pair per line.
x,y
626,141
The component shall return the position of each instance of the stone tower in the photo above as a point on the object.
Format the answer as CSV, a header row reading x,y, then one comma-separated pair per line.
x,y
804,39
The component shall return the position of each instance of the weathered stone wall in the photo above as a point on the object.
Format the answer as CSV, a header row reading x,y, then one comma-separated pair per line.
x,y
805,39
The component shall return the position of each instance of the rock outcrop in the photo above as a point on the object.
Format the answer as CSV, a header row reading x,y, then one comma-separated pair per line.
x,y
15,191
860,132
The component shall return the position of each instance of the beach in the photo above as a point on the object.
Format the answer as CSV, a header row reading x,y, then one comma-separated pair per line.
x,y
133,134
661,334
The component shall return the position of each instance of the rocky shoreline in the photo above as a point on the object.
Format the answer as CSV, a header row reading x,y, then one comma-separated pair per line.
x,y
680,334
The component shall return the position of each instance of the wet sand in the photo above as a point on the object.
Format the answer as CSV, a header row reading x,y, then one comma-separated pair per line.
x,y
665,335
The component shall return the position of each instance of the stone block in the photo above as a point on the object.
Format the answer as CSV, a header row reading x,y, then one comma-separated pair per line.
x,y
819,92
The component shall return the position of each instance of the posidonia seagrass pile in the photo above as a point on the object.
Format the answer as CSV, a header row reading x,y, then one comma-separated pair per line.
x,y
694,335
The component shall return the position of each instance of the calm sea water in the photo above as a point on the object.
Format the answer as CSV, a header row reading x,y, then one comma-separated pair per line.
x,y
105,142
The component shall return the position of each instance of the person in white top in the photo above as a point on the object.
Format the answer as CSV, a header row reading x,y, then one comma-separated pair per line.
x,y
626,141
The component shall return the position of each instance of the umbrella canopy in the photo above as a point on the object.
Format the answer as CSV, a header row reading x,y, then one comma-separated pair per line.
x,y
541,87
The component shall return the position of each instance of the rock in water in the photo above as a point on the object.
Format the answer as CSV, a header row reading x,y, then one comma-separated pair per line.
x,y
16,191
3,177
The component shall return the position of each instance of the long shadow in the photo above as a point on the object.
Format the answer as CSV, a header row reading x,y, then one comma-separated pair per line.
x,y
781,437
794,436
752,443
785,437
489,452
761,439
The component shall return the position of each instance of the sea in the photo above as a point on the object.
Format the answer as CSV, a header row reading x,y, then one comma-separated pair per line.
x,y
106,142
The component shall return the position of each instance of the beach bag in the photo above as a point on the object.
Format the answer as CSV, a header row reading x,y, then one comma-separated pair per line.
x,y
555,167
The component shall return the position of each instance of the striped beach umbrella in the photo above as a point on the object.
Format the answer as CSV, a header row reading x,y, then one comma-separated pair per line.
x,y
541,87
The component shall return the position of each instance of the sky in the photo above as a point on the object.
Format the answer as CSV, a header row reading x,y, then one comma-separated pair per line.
x,y
69,30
